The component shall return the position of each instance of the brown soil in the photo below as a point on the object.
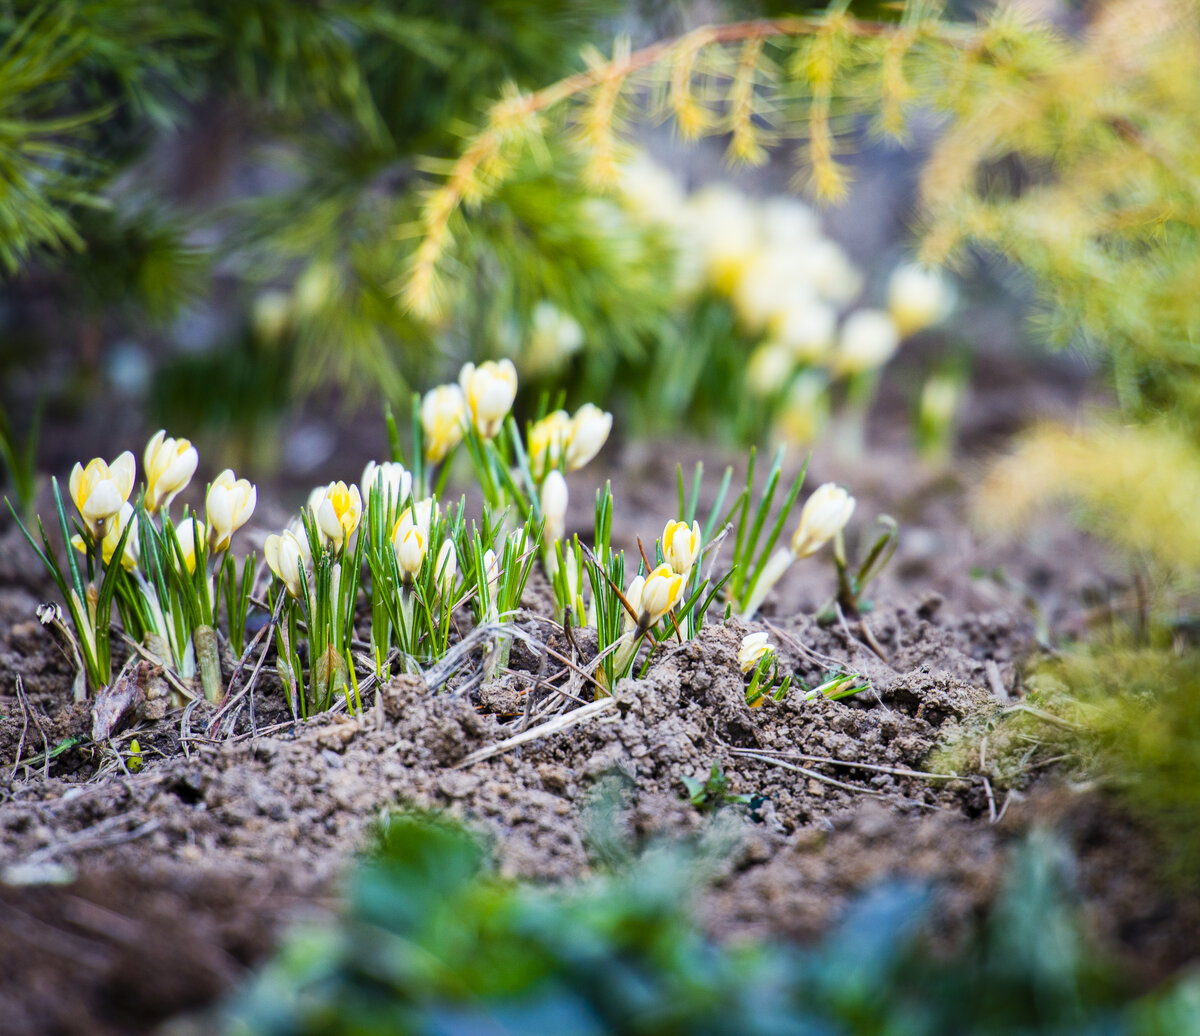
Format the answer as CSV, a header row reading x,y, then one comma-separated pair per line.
x,y
178,879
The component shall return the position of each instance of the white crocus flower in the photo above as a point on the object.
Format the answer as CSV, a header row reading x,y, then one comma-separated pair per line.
x,y
918,297
100,489
586,435
681,546
823,516
869,338
396,481
754,646
288,556
229,505
489,390
169,466
443,419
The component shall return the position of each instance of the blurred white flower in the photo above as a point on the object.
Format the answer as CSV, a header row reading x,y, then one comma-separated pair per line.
x,y
651,191
554,506
788,221
395,479
723,225
443,417
869,338
807,328
554,336
918,297
489,390
770,366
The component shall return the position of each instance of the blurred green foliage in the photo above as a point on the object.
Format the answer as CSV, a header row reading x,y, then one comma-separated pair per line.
x,y
430,942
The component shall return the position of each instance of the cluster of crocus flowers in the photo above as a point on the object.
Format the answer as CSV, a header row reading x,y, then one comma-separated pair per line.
x,y
566,440
824,515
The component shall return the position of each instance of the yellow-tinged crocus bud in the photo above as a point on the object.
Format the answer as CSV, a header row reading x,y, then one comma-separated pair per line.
x,y
100,489
338,514
186,534
489,390
823,516
754,647
660,593
445,569
587,434
410,544
547,439
288,556
554,506
443,419
420,515
112,536
229,505
396,480
169,466
681,546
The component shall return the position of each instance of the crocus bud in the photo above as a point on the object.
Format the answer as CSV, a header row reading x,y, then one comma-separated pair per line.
x,y
918,298
288,556
489,390
547,438
660,594
445,569
869,338
634,596
823,516
229,505
754,647
186,534
169,466
491,573
554,506
443,416
587,434
681,546
410,544
100,489
338,514
396,480
112,536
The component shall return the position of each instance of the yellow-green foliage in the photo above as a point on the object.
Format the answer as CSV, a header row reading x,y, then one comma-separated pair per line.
x,y
1139,485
